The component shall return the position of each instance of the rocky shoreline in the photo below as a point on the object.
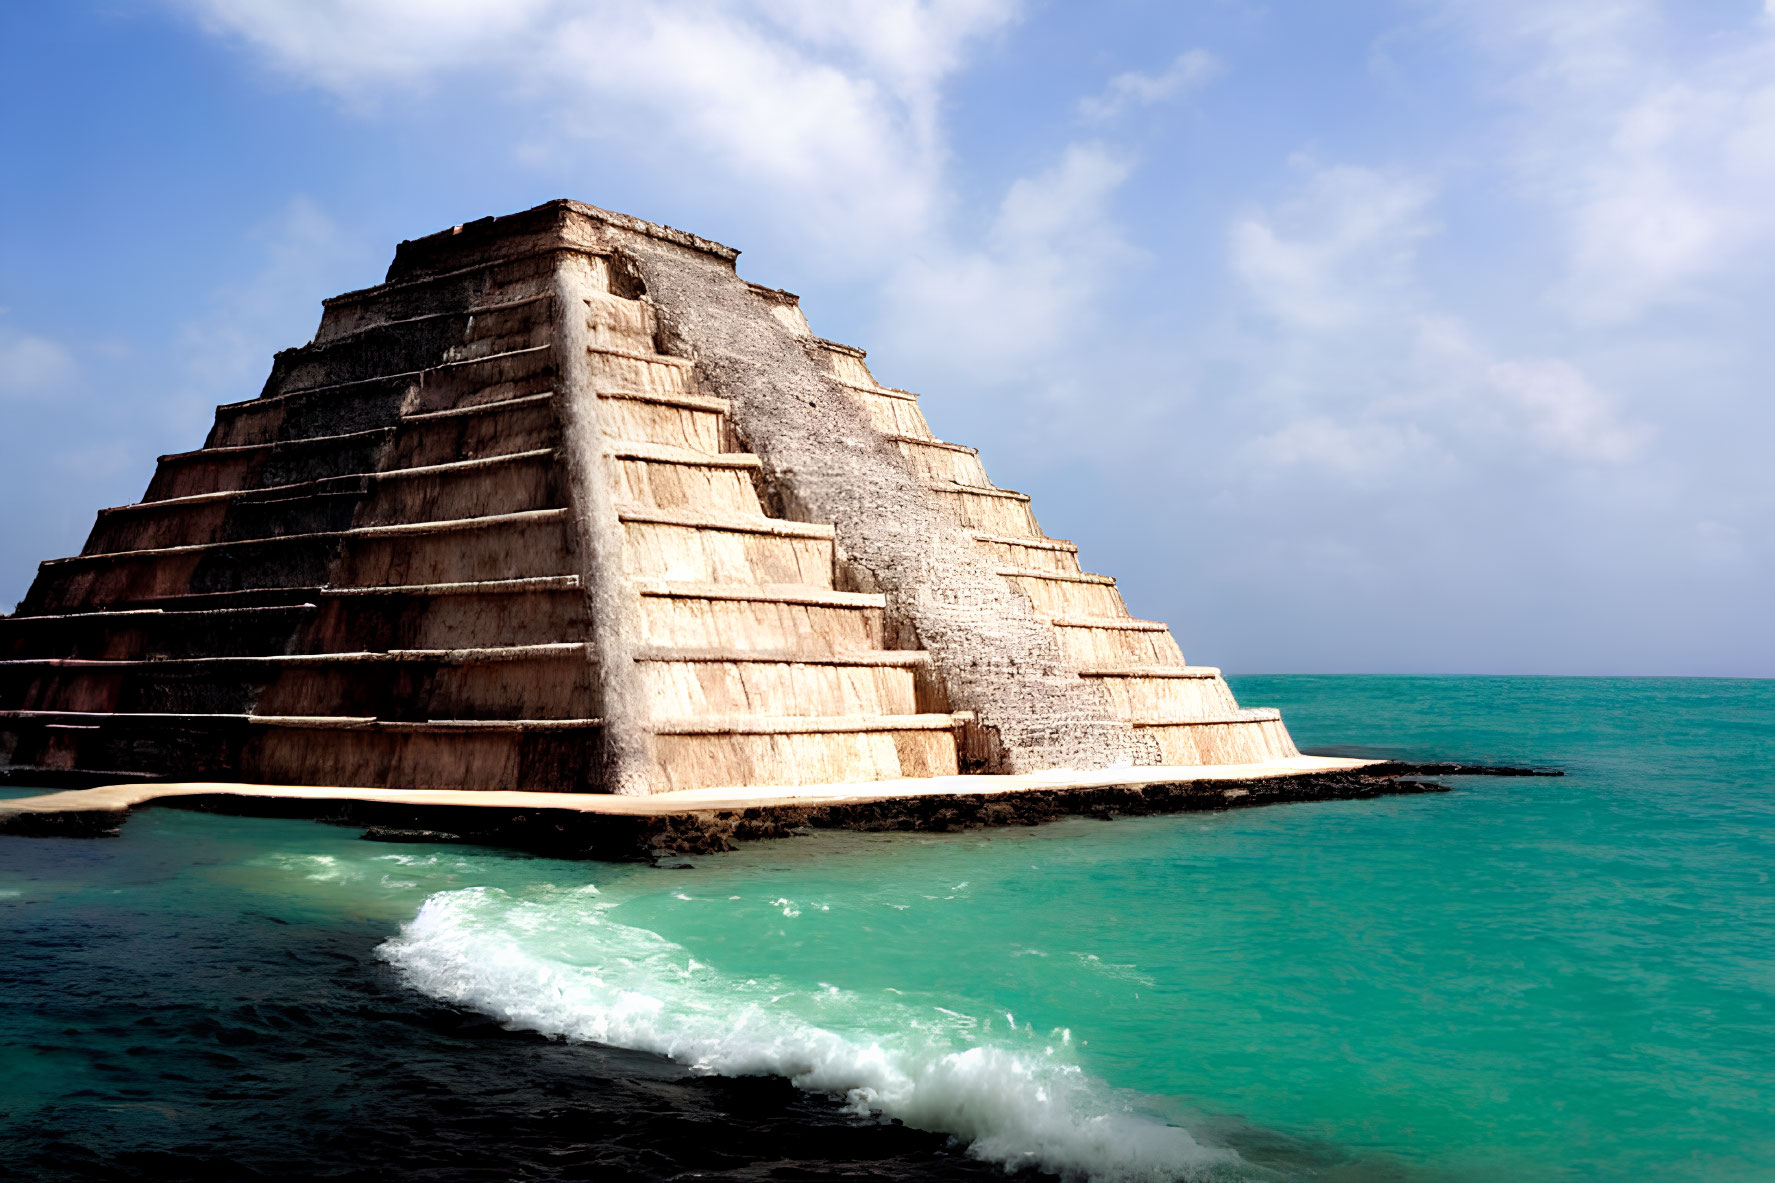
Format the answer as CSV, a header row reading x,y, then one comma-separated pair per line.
x,y
571,833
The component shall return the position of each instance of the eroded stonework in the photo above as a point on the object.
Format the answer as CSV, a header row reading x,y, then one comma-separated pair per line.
x,y
566,504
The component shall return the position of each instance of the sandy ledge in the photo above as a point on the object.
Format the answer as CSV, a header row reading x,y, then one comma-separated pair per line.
x,y
700,821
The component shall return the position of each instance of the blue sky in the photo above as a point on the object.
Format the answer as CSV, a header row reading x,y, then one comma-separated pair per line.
x,y
1383,335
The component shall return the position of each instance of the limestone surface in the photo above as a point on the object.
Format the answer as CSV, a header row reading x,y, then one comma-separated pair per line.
x,y
565,504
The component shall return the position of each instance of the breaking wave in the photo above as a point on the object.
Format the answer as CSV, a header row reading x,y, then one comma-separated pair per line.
x,y
560,965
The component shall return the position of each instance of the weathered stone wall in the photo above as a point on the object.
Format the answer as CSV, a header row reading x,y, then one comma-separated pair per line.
x,y
626,759
827,463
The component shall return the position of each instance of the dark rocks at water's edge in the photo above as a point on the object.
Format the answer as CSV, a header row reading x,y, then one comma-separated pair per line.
x,y
570,833
567,833
716,831
1397,769
1390,767
64,823
394,834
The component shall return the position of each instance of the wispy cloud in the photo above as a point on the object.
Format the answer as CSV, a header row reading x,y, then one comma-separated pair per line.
x,y
34,367
1002,311
1325,256
824,109
1657,155
1499,300
1190,70
1367,368
824,117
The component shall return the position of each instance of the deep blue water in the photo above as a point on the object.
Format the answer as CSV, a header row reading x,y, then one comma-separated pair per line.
x,y
1547,979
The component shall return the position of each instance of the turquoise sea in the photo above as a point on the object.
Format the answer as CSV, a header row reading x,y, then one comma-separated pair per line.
x,y
1521,979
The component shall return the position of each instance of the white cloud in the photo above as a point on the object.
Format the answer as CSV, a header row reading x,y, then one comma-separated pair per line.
x,y
1322,258
354,46
1190,70
825,110
1679,194
1546,403
34,367
1363,453
1365,368
1002,311
823,118
1657,156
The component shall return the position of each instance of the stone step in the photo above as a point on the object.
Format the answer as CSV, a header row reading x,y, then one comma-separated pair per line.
x,y
1068,593
243,466
437,437
785,593
896,658
477,431
469,288
486,613
1029,554
696,684
934,460
690,421
544,754
875,388
682,399
932,444
763,617
315,620
712,548
468,550
312,722
361,404
463,656
811,724
892,412
1145,698
760,751
671,478
471,550
155,632
620,322
1093,641
1253,736
845,363
1128,624
486,315
511,483
1150,671
979,491
996,511
650,373
417,343
533,681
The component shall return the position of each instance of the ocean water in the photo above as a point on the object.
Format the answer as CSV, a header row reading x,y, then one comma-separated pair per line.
x,y
1537,979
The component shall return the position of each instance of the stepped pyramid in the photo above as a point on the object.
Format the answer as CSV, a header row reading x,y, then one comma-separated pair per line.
x,y
565,504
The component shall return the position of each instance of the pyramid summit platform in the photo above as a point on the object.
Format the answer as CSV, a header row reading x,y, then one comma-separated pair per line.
x,y
567,506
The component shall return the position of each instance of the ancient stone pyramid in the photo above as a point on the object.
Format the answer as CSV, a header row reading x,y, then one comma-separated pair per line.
x,y
565,504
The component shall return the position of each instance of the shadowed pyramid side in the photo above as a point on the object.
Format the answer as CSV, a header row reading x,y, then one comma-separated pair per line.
x,y
376,573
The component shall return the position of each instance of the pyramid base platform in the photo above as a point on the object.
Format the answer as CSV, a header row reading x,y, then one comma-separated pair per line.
x,y
701,821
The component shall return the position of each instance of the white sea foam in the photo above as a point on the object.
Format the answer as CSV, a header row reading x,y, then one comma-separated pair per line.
x,y
560,965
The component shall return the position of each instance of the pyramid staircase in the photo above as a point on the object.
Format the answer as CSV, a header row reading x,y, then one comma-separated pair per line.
x,y
482,523
1188,711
